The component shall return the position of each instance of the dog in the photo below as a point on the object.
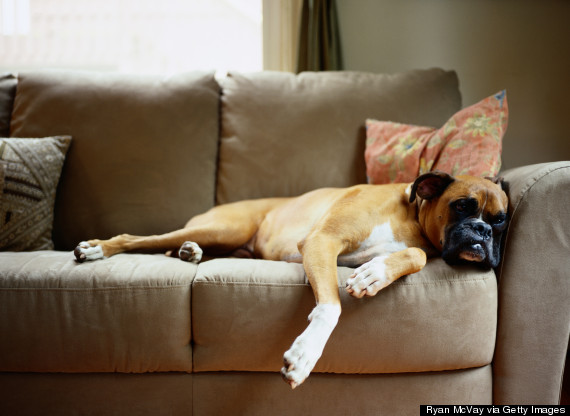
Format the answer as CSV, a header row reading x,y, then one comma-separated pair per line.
x,y
385,231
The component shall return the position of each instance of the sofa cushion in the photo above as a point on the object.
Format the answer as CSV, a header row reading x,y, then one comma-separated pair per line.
x,y
285,134
247,313
140,144
128,313
29,175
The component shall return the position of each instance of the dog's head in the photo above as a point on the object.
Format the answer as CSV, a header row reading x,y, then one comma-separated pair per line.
x,y
464,217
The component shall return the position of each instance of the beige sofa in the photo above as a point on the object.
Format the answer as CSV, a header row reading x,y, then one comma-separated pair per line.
x,y
149,334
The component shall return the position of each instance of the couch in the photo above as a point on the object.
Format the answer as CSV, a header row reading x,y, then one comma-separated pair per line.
x,y
144,333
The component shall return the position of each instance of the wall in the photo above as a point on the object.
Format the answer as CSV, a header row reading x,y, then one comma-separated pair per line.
x,y
520,45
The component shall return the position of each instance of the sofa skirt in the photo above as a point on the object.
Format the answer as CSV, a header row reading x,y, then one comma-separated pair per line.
x,y
238,393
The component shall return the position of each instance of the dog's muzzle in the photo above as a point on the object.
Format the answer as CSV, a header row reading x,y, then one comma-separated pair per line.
x,y
470,240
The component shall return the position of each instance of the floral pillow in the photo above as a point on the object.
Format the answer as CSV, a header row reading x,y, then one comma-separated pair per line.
x,y
469,143
29,174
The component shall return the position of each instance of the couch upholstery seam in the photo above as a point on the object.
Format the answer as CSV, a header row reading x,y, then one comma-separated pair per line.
x,y
529,186
449,282
90,289
358,373
471,367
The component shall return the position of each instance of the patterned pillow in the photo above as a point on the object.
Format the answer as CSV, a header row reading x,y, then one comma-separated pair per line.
x,y
469,143
29,174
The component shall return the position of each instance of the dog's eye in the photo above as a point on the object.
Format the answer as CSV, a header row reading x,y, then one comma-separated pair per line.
x,y
499,220
460,206
465,206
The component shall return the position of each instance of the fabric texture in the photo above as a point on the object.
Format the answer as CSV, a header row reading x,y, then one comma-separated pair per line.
x,y
247,393
156,394
29,175
262,394
143,159
439,319
128,314
469,143
534,287
285,134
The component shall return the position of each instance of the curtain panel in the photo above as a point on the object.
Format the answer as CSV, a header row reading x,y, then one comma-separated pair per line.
x,y
301,35
319,39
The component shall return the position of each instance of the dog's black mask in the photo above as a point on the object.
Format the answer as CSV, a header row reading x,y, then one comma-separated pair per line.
x,y
473,240
463,217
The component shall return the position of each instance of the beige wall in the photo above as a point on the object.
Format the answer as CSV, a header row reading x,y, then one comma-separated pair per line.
x,y
520,45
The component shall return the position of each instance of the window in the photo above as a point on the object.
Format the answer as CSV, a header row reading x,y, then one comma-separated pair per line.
x,y
140,36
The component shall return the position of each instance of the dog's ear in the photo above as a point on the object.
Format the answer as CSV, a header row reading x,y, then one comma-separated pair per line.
x,y
430,185
498,180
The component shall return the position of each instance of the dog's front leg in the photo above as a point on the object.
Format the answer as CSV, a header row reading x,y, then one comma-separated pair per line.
x,y
301,358
319,260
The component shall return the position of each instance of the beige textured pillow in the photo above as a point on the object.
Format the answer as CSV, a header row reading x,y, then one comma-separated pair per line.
x,y
29,174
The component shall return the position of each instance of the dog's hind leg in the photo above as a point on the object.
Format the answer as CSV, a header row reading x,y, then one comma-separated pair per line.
x,y
222,229
98,249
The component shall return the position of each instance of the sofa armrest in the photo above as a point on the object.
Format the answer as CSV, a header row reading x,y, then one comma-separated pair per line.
x,y
534,287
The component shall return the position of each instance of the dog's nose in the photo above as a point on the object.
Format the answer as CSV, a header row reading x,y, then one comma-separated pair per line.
x,y
483,230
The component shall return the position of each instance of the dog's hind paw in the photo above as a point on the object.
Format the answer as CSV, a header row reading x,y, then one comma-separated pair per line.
x,y
86,252
190,251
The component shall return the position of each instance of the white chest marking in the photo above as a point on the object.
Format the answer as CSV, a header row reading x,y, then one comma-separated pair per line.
x,y
408,190
381,241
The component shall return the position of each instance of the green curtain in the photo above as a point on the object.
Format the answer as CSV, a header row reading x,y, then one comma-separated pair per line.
x,y
319,40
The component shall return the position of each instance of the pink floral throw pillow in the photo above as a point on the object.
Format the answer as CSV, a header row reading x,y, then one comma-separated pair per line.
x,y
470,143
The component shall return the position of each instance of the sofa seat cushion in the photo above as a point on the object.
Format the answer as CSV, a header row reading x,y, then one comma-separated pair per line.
x,y
246,314
128,313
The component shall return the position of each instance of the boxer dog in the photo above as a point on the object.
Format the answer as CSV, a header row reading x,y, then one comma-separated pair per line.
x,y
386,231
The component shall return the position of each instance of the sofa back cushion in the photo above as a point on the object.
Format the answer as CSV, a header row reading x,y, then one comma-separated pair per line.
x,y
144,149
285,134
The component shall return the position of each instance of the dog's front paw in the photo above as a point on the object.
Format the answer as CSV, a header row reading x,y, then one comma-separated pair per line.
x,y
368,279
190,251
86,251
303,355
298,362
